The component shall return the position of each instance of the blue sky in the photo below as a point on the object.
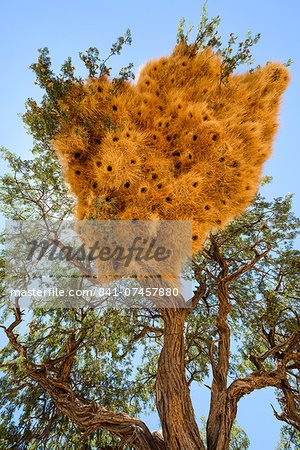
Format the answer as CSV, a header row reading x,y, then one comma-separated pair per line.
x,y
68,27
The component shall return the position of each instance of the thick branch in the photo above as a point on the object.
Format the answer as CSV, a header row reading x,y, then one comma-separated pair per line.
x,y
173,399
235,275
87,416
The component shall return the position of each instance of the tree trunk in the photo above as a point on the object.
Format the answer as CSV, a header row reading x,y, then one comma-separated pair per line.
x,y
173,399
221,417
221,413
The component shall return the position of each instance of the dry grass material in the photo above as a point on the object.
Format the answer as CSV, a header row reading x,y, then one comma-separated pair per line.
x,y
175,145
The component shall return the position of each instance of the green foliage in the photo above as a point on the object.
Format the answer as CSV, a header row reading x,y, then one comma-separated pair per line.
x,y
42,121
289,439
258,303
231,60
34,188
208,36
105,368
98,67
125,74
91,60
100,373
181,36
288,63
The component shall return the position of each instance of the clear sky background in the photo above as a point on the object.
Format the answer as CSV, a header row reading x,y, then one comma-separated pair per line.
x,y
67,27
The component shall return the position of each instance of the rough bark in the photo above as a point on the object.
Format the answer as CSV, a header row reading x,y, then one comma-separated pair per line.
x,y
220,419
173,399
223,403
88,416
91,416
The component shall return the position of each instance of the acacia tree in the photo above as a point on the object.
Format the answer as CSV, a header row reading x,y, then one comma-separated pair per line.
x,y
69,375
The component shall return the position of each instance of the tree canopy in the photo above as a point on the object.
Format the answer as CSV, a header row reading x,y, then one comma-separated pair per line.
x,y
80,377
